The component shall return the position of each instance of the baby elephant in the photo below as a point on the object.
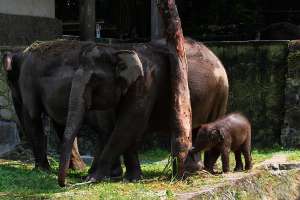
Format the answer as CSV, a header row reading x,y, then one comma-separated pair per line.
x,y
232,132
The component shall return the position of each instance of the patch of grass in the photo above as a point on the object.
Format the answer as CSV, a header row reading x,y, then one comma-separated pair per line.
x,y
20,181
294,155
154,155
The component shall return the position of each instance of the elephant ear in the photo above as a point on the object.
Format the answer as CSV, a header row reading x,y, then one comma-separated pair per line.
x,y
217,135
129,66
7,61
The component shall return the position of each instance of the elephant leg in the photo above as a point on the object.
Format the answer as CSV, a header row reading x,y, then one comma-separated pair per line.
x,y
34,131
116,170
114,148
135,109
225,160
238,161
76,162
132,163
211,158
247,156
206,159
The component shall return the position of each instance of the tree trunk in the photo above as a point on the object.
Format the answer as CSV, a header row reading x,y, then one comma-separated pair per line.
x,y
87,20
181,115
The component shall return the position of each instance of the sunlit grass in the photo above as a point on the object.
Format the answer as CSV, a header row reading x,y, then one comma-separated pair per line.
x,y
20,181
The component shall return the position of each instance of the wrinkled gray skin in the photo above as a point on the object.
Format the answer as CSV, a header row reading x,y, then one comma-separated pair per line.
x,y
78,77
100,121
144,99
12,62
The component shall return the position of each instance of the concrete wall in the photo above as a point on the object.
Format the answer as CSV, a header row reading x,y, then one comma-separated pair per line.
x,y
24,21
291,128
256,72
40,8
24,30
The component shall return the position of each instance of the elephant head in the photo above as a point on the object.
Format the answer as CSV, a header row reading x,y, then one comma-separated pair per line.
x,y
207,137
129,67
99,69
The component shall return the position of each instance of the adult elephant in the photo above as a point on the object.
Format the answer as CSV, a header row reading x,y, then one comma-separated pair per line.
x,y
63,76
32,127
135,83
12,63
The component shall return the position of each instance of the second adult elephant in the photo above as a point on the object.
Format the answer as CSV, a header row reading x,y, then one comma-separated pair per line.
x,y
136,84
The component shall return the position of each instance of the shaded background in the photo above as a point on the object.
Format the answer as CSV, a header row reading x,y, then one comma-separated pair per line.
x,y
203,20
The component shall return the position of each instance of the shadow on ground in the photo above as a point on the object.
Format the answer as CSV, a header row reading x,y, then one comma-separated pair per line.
x,y
19,180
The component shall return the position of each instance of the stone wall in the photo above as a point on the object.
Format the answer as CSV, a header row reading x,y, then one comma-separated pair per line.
x,y
291,128
7,112
256,71
9,135
23,30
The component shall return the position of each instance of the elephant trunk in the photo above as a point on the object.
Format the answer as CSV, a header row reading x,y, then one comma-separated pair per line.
x,y
64,161
76,111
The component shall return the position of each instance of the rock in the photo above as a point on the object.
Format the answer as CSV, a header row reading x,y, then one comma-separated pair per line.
x,y
271,166
289,166
9,136
19,153
3,101
6,114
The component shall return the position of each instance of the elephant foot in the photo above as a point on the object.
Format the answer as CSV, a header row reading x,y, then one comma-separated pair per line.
x,y
43,166
211,170
238,169
99,175
194,167
116,173
248,167
95,177
133,176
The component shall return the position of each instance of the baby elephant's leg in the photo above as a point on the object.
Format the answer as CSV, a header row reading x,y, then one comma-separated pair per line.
x,y
247,156
225,159
211,156
238,161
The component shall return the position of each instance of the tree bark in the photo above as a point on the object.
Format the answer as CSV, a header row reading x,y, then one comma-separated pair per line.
x,y
87,20
181,115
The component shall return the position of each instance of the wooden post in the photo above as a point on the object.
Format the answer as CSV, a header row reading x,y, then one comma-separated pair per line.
x,y
156,22
181,114
87,20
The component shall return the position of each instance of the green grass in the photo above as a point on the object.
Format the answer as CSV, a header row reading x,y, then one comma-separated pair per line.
x,y
20,181
294,155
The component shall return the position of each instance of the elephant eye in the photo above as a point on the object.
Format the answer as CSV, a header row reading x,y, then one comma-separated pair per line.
x,y
122,67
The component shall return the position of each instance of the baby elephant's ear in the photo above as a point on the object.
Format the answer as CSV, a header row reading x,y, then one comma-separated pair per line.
x,y
218,135
221,135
